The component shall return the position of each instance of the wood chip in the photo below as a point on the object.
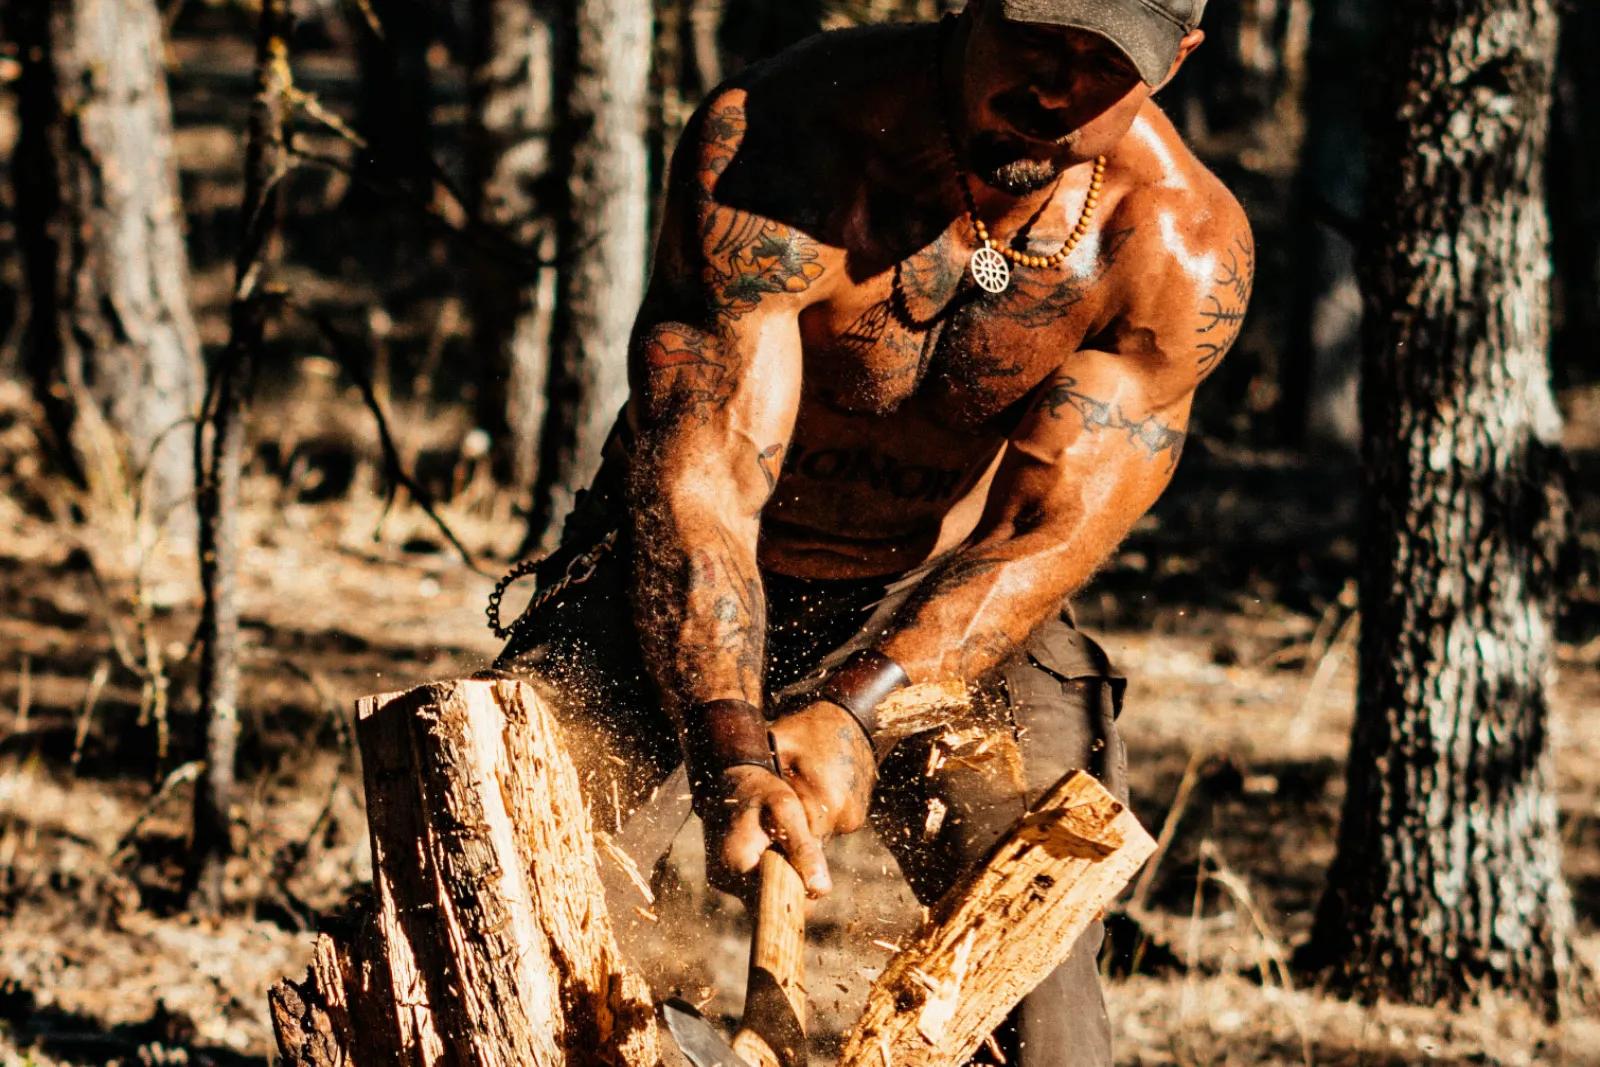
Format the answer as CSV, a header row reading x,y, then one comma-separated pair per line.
x,y
616,854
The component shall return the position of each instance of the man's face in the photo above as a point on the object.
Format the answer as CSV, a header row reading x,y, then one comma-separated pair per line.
x,y
1039,98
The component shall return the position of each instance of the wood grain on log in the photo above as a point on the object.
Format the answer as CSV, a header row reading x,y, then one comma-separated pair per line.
x,y
488,942
1001,930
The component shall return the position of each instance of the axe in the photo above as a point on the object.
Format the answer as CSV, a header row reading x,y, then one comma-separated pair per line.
x,y
772,1032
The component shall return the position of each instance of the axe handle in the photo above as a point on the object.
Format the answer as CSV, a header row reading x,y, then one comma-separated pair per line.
x,y
772,1033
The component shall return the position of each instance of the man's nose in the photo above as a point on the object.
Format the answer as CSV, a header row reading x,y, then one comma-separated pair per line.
x,y
1057,97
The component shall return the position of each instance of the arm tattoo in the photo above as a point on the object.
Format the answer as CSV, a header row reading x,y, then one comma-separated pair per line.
x,y
743,257
1148,433
698,599
687,370
1222,315
740,609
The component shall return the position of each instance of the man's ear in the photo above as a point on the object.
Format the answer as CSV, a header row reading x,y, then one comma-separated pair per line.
x,y
1190,42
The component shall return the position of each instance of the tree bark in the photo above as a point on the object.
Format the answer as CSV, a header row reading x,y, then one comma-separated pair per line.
x,y
219,450
514,110
111,340
601,233
1448,876
486,941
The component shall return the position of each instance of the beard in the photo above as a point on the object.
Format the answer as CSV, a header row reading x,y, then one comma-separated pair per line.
x,y
1002,163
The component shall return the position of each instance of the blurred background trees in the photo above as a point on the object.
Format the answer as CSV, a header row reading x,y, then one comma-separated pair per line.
x,y
467,203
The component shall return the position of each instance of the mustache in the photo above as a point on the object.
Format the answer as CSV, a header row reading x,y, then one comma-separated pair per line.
x,y
1022,110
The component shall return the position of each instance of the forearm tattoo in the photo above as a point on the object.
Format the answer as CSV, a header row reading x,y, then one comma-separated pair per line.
x,y
699,601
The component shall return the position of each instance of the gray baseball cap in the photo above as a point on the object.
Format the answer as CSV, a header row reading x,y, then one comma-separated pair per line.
x,y
1146,31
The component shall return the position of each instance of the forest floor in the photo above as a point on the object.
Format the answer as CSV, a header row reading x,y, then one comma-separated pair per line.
x,y
1229,609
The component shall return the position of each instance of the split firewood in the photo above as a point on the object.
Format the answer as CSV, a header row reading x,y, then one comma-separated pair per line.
x,y
1001,930
487,941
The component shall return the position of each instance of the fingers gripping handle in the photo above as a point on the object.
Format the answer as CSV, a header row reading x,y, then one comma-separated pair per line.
x,y
773,1032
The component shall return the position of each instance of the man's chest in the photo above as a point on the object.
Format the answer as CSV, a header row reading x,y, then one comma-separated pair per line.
x,y
921,334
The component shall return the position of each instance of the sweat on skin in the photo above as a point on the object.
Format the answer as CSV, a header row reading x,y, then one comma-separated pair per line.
x,y
820,391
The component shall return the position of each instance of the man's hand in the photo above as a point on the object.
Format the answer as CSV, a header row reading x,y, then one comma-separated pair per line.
x,y
828,774
757,811
830,764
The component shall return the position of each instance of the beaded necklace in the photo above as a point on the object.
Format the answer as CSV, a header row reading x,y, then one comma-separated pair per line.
x,y
989,264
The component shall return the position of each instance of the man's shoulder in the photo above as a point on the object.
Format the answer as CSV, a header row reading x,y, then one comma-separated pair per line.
x,y
839,64
815,98
1175,206
786,136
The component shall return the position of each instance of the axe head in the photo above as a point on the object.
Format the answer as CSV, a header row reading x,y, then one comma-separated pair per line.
x,y
696,1037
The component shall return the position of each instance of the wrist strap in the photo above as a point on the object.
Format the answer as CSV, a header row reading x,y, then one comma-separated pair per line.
x,y
720,734
860,684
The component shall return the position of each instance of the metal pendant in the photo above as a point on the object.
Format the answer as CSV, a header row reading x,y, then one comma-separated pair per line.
x,y
990,270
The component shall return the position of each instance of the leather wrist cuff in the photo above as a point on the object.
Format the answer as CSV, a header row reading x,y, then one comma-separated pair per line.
x,y
721,734
860,684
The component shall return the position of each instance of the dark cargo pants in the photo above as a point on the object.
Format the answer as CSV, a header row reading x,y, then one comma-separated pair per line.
x,y
1055,704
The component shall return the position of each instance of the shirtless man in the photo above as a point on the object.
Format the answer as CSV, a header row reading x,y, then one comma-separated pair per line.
x,y
858,456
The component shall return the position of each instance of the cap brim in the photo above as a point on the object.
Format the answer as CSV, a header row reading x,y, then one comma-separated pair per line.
x,y
1149,40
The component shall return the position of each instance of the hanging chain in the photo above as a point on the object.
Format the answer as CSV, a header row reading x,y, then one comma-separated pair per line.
x,y
579,570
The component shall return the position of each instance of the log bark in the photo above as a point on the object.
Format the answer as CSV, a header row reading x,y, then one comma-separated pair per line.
x,y
487,940
1001,930
1448,875
111,341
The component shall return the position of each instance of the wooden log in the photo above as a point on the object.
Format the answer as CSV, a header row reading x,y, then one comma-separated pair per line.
x,y
486,942
1001,930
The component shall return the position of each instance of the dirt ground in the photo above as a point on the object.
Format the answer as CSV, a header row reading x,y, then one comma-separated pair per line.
x,y
1229,610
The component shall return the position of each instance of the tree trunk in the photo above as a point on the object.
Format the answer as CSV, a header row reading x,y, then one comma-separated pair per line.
x,y
1448,878
219,450
513,105
111,341
1319,382
1575,197
486,940
394,104
604,101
